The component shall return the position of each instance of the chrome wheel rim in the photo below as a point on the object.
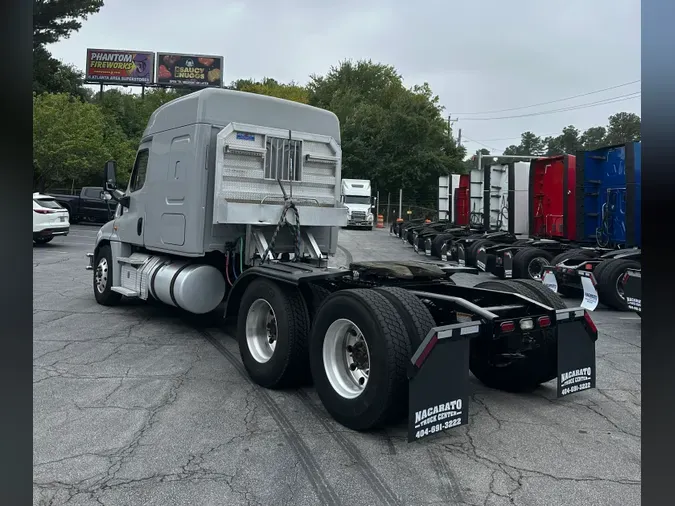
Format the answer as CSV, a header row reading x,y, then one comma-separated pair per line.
x,y
101,276
535,269
620,287
346,358
261,330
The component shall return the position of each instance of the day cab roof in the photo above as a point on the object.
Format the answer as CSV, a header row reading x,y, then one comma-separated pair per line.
x,y
220,107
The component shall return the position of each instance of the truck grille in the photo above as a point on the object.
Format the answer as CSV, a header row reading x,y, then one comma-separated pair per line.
x,y
359,216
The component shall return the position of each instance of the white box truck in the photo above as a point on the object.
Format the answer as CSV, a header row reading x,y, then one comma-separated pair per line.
x,y
233,206
357,198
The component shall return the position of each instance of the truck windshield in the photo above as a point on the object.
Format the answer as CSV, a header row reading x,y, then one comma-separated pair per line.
x,y
356,199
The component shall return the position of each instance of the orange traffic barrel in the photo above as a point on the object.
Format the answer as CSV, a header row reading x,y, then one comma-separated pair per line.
x,y
399,220
380,221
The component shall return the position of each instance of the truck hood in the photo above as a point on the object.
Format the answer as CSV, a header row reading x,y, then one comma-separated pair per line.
x,y
359,207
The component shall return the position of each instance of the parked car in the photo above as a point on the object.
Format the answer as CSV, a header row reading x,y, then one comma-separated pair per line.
x,y
49,219
90,205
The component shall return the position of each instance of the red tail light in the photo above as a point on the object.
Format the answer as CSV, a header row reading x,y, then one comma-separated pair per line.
x,y
589,267
507,326
590,322
43,211
544,321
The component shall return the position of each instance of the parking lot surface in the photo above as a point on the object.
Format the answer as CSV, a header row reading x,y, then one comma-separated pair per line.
x,y
137,405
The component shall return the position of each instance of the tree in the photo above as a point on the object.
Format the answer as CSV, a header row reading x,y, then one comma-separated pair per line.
x,y
350,84
593,138
623,127
68,141
272,88
530,144
567,142
54,20
52,76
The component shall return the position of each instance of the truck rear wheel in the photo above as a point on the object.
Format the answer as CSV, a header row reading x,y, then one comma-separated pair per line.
x,y
528,263
538,365
359,349
610,282
272,330
103,278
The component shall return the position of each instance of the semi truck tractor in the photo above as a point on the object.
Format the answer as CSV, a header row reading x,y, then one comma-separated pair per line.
x,y
357,198
232,210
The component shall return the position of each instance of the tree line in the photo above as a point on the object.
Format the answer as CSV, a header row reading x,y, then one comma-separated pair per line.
x,y
394,135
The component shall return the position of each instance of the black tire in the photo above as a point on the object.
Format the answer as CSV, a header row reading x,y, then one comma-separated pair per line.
x,y
521,375
472,249
437,244
414,314
288,365
524,259
384,397
105,297
570,253
543,294
609,282
317,294
42,240
597,271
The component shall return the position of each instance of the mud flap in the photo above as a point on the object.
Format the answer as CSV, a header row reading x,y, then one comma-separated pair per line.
x,y
481,258
438,376
508,265
427,247
576,351
461,257
633,290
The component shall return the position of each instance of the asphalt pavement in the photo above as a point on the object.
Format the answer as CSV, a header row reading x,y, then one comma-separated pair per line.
x,y
137,405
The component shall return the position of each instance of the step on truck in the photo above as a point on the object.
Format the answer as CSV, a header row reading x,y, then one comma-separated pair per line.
x,y
233,210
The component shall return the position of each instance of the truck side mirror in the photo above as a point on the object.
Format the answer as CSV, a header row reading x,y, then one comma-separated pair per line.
x,y
110,176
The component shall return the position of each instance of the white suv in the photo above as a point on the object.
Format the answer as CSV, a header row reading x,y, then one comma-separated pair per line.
x,y
49,219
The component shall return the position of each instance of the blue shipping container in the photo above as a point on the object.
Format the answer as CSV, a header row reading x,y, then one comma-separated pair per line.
x,y
609,196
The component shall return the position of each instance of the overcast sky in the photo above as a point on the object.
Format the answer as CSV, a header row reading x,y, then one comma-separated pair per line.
x,y
480,55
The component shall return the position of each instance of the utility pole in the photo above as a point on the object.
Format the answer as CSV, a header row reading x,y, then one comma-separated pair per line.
x,y
388,207
377,205
400,203
450,122
459,138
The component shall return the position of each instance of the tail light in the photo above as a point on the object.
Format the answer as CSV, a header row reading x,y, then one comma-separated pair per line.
x,y
507,326
588,267
544,321
590,322
43,211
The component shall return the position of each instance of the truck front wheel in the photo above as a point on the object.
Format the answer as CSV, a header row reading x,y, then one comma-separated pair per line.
x,y
358,353
272,329
103,280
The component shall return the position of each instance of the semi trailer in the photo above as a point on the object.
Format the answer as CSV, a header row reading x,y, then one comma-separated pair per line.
x,y
232,211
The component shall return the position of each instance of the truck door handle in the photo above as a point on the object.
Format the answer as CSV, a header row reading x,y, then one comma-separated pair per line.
x,y
139,226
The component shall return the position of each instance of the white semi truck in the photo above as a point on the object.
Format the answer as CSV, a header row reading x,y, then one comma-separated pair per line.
x,y
357,198
233,207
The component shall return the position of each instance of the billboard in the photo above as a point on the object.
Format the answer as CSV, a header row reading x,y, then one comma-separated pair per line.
x,y
189,70
120,66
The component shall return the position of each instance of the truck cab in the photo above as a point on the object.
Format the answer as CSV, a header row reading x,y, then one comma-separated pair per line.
x,y
357,198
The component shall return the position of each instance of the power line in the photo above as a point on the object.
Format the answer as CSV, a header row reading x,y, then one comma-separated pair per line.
x,y
620,98
554,101
515,138
484,145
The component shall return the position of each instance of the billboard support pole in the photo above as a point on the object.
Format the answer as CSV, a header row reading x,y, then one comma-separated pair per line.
x,y
142,91
100,93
